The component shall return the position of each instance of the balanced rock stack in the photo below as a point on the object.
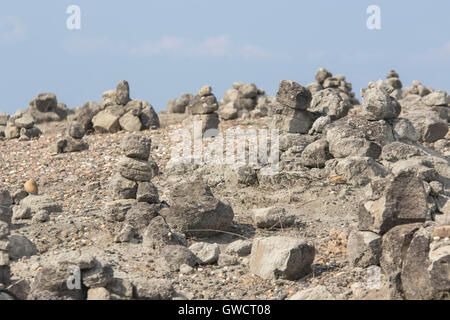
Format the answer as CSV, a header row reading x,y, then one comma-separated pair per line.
x,y
290,114
179,105
203,109
21,125
5,221
337,84
136,202
116,112
46,108
414,255
244,100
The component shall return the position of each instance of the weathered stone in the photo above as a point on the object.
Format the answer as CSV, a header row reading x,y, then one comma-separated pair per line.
x,y
281,257
378,105
205,91
355,136
116,211
436,98
37,203
12,132
364,248
402,200
394,246
98,294
106,122
415,277
329,103
177,105
403,129
301,123
227,260
399,151
135,146
122,93
199,215
242,248
316,154
270,218
322,74
44,102
140,215
172,257
356,170
5,198
149,117
135,169
147,192
158,235
19,246
293,95
316,293
67,145
154,289
26,121
99,276
76,130
122,188
130,122
207,253
51,284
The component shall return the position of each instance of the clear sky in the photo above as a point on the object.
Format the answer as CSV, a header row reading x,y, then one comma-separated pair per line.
x,y
166,48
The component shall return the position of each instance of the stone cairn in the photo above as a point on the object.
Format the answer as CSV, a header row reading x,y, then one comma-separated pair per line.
x,y
5,221
244,100
43,108
136,203
116,112
202,109
338,84
21,126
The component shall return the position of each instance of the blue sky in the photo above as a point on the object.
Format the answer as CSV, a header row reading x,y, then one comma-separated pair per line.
x,y
166,48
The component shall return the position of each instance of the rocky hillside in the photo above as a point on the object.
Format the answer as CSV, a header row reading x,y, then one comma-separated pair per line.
x,y
308,195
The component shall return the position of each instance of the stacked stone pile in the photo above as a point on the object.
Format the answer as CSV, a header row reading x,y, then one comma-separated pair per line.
x,y
202,109
135,198
290,114
21,126
116,112
337,84
244,100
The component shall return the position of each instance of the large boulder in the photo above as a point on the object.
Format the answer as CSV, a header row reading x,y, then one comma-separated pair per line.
x,y
394,246
329,103
281,258
356,170
356,136
394,201
379,105
195,211
293,95
364,248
